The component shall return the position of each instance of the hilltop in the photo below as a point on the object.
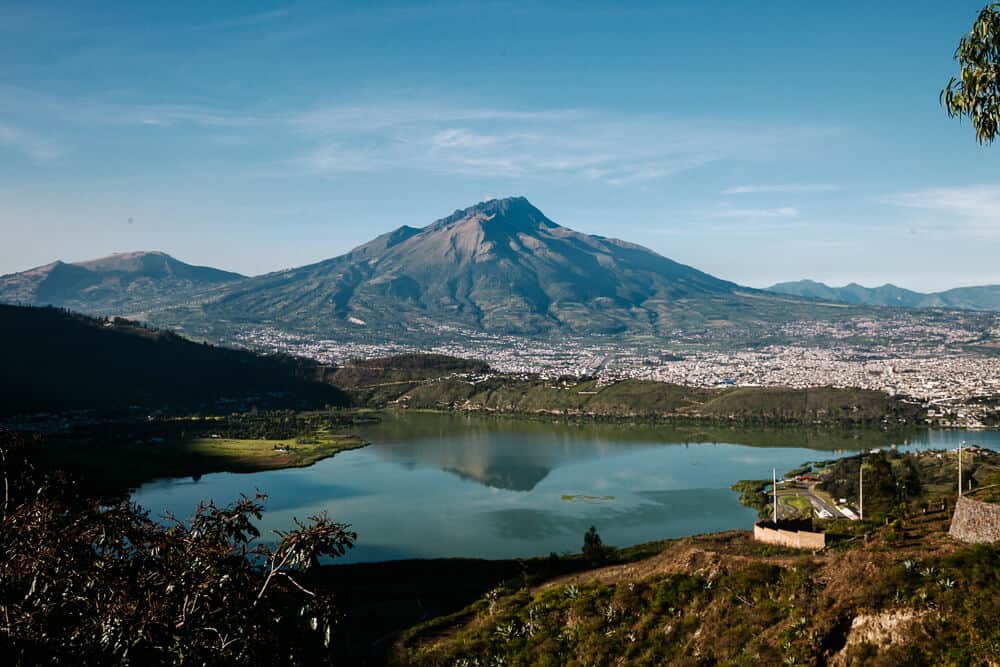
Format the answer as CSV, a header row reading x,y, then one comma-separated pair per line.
x,y
118,284
914,597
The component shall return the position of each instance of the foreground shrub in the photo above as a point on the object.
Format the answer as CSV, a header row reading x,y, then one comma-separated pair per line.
x,y
82,583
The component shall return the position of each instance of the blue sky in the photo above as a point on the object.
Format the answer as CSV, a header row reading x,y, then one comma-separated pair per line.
x,y
759,141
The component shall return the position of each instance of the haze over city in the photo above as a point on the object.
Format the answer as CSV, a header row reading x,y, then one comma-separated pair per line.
x,y
759,143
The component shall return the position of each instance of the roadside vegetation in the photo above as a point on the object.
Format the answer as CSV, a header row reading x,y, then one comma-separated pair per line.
x,y
897,488
899,484
754,494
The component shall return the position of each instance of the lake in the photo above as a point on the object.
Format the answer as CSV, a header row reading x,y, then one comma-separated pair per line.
x,y
438,485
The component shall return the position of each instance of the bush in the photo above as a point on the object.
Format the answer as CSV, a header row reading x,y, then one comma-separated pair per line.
x,y
82,583
593,547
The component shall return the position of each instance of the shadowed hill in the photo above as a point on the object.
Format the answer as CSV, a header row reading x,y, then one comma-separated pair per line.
x,y
56,360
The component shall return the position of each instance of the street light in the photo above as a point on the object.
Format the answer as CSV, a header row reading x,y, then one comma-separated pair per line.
x,y
861,490
774,488
960,446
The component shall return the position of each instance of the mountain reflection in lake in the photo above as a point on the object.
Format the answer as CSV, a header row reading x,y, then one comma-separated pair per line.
x,y
451,485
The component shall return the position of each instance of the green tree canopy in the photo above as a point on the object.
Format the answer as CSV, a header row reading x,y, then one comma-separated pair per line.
x,y
975,92
593,547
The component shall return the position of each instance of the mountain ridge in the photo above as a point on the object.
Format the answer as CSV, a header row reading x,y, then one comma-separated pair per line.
x,y
980,297
499,267
117,283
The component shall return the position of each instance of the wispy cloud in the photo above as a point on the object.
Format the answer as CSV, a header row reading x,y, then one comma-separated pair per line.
x,y
780,188
751,213
119,111
28,143
615,148
974,201
442,135
246,20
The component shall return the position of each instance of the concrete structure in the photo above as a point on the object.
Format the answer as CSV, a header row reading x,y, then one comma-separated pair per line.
x,y
779,534
975,521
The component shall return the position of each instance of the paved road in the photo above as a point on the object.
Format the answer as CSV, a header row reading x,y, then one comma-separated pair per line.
x,y
821,507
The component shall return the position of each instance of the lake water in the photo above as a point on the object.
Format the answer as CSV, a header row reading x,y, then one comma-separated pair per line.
x,y
451,485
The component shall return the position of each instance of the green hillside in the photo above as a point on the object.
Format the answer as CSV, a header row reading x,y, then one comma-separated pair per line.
x,y
649,400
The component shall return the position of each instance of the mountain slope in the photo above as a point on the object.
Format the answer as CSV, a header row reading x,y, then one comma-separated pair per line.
x,y
986,297
56,360
500,266
122,283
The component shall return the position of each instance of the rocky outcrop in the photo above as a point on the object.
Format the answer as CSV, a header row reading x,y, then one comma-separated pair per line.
x,y
975,521
879,629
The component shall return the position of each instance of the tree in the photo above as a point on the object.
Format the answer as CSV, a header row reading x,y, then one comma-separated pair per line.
x,y
593,547
975,93
82,583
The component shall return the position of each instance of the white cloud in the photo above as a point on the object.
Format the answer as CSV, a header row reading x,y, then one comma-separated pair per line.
x,y
615,148
246,20
121,111
780,188
443,136
28,143
974,201
778,212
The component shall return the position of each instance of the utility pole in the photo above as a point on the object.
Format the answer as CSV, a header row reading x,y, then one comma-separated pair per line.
x,y
960,445
774,488
861,490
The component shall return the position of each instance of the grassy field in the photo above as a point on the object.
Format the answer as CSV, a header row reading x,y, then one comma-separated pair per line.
x,y
113,467
799,502
243,455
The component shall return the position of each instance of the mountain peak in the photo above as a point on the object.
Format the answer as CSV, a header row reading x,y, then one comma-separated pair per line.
x,y
500,265
512,214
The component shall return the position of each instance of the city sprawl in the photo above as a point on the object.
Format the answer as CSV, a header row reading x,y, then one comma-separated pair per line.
x,y
945,365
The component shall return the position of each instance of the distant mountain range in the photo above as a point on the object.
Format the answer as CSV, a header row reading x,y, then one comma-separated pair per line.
x,y
986,297
134,282
500,266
